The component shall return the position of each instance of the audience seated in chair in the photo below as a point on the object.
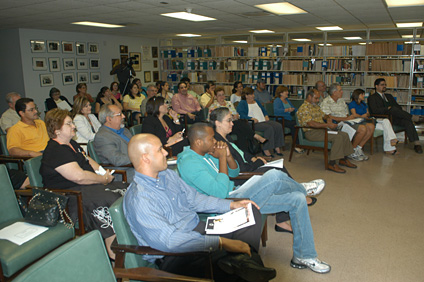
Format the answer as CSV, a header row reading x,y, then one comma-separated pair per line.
x,y
161,211
187,105
208,97
311,115
207,165
261,93
152,91
105,97
56,100
82,92
111,141
335,107
10,117
86,123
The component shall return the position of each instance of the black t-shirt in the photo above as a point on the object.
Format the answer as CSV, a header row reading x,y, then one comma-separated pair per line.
x,y
56,155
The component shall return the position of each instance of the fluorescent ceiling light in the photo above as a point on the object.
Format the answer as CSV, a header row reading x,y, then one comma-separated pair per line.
x,y
301,39
99,24
282,8
352,38
409,42
188,17
410,36
419,24
188,35
271,45
404,3
323,28
328,44
262,31
362,43
240,41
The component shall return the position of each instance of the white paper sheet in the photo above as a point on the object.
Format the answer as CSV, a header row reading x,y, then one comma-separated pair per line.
x,y
230,221
21,232
64,106
277,163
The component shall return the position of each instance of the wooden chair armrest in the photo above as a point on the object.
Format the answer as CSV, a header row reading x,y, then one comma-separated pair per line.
x,y
23,192
9,159
151,274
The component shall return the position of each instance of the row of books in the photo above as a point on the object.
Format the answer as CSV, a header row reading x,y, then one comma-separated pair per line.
x,y
390,65
389,48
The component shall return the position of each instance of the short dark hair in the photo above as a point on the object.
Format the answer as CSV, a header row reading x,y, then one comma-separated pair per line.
x,y
181,82
246,91
197,131
80,85
20,105
102,92
236,85
209,84
113,83
378,81
218,114
356,93
53,91
185,79
311,92
153,105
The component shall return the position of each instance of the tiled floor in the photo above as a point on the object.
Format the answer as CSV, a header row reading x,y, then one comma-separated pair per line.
x,y
368,223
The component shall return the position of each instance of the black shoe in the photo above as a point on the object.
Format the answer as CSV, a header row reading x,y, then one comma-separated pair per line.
x,y
314,200
418,149
246,268
280,229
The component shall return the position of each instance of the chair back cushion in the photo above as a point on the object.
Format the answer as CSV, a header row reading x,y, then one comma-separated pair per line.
x,y
306,142
269,107
32,167
82,259
3,143
92,153
136,129
124,235
9,209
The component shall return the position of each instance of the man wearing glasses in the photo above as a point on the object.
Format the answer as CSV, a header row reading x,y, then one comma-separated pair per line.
x,y
111,141
28,137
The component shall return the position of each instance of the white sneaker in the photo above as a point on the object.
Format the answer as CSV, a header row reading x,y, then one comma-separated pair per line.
x,y
361,153
314,187
355,156
313,264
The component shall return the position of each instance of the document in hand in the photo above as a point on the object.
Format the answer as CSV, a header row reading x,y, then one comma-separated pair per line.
x,y
346,128
230,221
277,163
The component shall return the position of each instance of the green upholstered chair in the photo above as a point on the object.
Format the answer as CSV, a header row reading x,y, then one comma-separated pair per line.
x,y
324,146
32,167
5,158
136,129
13,257
128,252
269,107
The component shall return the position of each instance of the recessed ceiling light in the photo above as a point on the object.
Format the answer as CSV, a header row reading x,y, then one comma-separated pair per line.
x,y
404,3
353,38
418,24
282,8
240,41
99,24
323,28
188,35
262,31
362,43
301,39
328,44
410,36
409,42
188,16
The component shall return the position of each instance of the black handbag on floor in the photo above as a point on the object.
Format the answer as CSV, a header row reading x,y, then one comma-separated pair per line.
x,y
47,208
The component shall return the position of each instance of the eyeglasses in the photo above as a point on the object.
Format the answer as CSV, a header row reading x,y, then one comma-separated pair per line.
x,y
69,123
117,115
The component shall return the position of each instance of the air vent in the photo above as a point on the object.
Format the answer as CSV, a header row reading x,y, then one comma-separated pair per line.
x,y
256,14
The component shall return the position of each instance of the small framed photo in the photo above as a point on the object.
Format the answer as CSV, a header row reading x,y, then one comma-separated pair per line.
x,y
123,49
147,76
38,46
95,77
155,76
82,77
68,78
68,47
155,52
39,64
94,63
54,64
53,46
80,48
68,63
155,64
135,58
93,48
46,80
82,64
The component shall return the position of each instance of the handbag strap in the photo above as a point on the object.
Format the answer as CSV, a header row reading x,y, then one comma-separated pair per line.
x,y
69,225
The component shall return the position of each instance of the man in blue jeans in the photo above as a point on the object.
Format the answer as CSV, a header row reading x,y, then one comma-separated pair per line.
x,y
207,166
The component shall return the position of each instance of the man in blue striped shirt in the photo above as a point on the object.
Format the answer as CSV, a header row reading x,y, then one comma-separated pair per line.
x,y
161,211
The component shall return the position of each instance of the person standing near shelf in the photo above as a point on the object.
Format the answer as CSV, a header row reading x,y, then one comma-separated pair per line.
x,y
381,103
261,94
322,90
208,97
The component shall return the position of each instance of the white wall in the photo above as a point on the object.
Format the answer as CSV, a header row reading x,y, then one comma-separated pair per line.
x,y
108,50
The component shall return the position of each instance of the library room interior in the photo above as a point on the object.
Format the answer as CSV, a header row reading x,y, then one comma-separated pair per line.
x,y
344,80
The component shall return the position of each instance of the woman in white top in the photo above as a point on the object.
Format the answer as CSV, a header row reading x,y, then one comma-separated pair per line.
x,y
237,90
250,109
85,122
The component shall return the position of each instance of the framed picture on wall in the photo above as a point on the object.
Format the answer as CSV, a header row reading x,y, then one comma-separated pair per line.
x,y
54,64
82,64
135,58
95,77
147,76
46,80
39,64
94,63
68,78
155,64
93,48
68,47
123,49
155,76
68,63
82,77
53,46
80,48
38,46
155,52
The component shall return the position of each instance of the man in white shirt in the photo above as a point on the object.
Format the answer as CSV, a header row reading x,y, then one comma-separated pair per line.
x,y
10,117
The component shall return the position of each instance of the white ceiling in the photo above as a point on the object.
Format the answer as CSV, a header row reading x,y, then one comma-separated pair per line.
x,y
143,18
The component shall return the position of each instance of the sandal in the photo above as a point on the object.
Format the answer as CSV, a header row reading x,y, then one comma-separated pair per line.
x,y
395,152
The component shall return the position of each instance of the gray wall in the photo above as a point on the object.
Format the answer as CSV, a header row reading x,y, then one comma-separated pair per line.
x,y
17,71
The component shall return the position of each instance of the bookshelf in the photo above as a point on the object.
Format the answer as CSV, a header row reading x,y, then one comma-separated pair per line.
x,y
280,60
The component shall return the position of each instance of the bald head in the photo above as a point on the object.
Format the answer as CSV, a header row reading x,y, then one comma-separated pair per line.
x,y
320,86
140,145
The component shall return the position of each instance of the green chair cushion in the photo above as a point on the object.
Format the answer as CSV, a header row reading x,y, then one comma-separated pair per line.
x,y
14,257
377,133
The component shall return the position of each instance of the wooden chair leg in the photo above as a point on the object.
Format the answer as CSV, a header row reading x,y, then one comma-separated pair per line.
x,y
372,145
264,235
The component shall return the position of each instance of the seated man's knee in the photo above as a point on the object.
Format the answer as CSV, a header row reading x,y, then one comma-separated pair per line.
x,y
361,129
275,174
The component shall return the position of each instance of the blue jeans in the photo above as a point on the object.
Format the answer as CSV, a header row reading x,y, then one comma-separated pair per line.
x,y
276,192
